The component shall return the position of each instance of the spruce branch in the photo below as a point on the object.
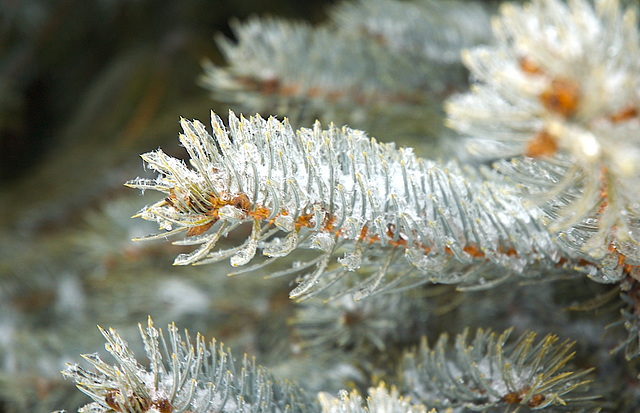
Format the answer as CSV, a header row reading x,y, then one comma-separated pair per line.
x,y
182,376
383,50
280,65
557,99
489,374
361,204
383,64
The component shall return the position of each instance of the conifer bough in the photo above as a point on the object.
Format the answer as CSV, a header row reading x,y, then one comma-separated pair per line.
x,y
346,195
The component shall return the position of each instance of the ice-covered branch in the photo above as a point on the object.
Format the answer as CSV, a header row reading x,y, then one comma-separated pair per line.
x,y
557,100
182,376
383,50
489,373
345,195
382,64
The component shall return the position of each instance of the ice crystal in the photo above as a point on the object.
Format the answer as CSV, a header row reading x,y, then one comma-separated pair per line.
x,y
561,86
361,204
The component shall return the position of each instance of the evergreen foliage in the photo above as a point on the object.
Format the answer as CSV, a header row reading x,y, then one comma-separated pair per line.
x,y
522,216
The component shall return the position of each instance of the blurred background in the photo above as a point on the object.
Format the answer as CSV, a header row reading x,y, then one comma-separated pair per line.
x,y
86,86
